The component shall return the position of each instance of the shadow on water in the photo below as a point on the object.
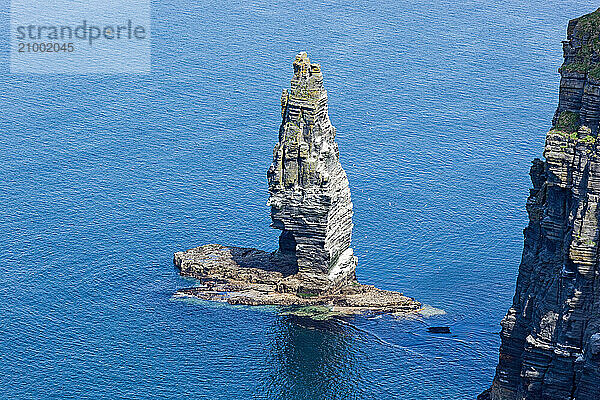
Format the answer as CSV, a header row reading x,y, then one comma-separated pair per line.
x,y
312,360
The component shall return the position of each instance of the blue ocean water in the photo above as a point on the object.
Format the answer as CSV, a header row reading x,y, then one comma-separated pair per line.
x,y
439,106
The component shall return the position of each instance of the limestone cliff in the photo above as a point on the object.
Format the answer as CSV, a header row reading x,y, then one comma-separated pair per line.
x,y
551,335
309,193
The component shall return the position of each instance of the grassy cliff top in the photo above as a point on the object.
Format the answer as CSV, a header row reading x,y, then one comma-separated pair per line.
x,y
584,33
589,23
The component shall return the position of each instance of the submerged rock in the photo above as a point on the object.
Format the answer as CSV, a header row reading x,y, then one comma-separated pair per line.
x,y
314,266
550,335
438,329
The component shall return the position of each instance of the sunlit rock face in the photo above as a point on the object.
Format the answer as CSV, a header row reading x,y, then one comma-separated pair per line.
x,y
309,193
551,335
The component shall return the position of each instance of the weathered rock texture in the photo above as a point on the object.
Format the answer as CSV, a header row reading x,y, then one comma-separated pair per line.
x,y
551,334
310,197
310,204
253,277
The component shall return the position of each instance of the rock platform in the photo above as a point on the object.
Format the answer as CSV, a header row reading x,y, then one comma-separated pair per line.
x,y
238,275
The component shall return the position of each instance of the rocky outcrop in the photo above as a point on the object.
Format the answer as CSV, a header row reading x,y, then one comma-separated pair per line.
x,y
310,197
314,265
253,277
551,335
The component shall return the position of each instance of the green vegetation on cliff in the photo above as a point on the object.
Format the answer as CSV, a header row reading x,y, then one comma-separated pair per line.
x,y
568,122
568,126
589,23
586,32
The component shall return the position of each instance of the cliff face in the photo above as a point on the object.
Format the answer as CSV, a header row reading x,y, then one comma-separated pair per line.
x,y
309,193
551,334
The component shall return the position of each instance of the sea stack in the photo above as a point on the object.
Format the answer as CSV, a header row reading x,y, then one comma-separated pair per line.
x,y
309,192
551,335
314,265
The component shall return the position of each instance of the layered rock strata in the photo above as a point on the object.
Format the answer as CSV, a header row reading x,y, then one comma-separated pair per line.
x,y
551,335
309,192
310,203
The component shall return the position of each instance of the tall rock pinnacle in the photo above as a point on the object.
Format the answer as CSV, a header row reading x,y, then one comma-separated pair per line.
x,y
551,335
309,193
314,268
